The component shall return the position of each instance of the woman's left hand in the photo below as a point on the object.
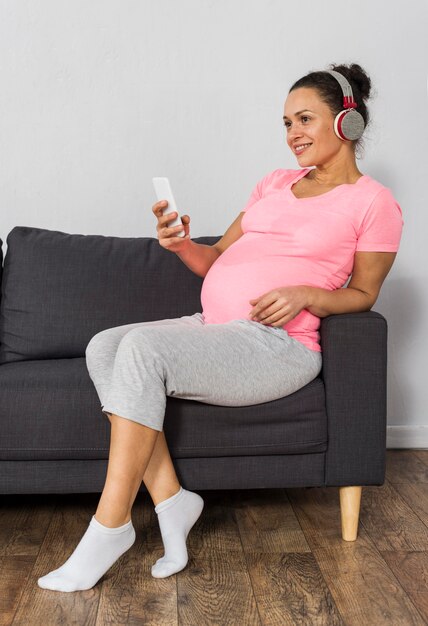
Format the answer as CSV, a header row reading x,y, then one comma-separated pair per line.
x,y
279,306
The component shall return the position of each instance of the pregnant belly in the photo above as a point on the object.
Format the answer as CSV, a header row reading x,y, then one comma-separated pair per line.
x,y
228,288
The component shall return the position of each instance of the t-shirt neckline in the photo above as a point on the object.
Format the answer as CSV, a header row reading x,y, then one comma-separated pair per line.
x,y
303,173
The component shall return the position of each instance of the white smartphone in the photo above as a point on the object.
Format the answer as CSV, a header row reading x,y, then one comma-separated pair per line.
x,y
163,192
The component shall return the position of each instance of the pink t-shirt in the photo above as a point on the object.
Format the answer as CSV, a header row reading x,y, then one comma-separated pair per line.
x,y
299,241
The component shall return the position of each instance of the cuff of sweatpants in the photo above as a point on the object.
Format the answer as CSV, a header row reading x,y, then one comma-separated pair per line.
x,y
133,417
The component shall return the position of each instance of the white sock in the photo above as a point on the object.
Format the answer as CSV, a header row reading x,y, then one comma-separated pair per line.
x,y
176,517
98,549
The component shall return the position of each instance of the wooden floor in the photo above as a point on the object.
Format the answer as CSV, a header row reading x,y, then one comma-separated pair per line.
x,y
256,557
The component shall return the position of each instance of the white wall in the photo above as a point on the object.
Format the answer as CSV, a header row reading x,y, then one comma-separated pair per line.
x,y
98,96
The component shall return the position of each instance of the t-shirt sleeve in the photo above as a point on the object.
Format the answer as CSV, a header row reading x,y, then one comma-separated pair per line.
x,y
259,190
255,195
382,225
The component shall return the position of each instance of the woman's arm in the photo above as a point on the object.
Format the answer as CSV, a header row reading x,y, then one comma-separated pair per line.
x,y
369,271
199,257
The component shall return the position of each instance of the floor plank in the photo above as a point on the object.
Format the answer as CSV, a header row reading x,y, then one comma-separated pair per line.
x,y
404,466
364,588
287,582
68,522
218,570
256,557
133,596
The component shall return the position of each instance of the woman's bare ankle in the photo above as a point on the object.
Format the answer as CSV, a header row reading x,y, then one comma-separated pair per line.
x,y
163,494
111,520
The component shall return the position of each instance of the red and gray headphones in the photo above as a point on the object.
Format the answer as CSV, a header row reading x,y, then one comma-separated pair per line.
x,y
348,124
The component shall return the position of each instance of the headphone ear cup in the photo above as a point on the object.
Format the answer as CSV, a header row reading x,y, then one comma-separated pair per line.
x,y
349,124
338,124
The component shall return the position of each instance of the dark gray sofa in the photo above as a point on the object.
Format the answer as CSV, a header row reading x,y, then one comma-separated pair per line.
x,y
59,290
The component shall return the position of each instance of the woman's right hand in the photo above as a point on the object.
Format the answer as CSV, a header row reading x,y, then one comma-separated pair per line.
x,y
168,238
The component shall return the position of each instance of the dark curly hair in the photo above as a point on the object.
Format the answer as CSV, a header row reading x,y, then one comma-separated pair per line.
x,y
331,92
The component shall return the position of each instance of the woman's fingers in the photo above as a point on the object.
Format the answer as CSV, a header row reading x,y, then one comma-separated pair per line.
x,y
168,235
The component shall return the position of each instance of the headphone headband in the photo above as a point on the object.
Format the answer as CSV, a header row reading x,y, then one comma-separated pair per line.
x,y
348,96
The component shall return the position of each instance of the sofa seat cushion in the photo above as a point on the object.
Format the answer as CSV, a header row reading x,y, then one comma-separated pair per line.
x,y
60,397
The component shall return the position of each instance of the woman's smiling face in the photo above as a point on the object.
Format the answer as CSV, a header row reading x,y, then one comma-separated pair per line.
x,y
309,120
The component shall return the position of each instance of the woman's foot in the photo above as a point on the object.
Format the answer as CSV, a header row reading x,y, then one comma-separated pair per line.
x,y
176,517
98,549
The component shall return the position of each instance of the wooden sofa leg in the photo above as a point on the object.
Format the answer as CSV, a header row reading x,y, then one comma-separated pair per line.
x,y
350,499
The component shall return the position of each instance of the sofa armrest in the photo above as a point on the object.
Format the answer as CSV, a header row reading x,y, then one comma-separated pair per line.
x,y
354,349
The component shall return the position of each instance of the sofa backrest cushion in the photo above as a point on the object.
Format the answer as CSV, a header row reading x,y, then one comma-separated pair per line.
x,y
1,263
60,289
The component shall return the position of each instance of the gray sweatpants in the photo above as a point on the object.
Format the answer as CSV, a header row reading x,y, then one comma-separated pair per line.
x,y
242,362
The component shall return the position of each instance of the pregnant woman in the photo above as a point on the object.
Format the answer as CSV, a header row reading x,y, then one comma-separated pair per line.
x,y
278,269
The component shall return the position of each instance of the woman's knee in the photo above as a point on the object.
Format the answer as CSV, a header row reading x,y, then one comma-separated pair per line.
x,y
100,344
141,348
146,337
